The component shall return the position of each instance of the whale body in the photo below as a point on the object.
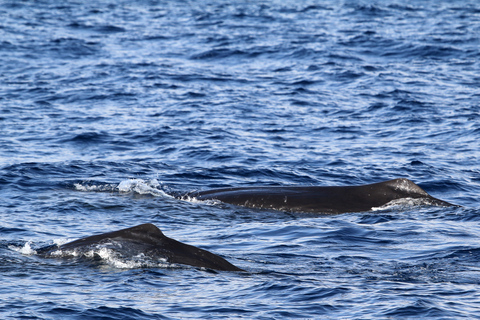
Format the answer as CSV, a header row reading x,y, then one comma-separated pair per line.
x,y
326,200
145,239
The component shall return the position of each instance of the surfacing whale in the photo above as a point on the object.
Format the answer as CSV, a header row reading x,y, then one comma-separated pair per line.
x,y
326,200
149,240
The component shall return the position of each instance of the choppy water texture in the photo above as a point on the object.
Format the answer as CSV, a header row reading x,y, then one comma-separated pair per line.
x,y
107,105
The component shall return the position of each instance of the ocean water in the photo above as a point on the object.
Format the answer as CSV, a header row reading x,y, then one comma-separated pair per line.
x,y
106,107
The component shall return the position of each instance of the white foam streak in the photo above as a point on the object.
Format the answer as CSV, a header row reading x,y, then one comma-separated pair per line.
x,y
404,202
112,257
139,186
93,187
210,202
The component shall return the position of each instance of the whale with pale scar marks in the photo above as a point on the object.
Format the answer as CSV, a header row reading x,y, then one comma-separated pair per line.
x,y
326,200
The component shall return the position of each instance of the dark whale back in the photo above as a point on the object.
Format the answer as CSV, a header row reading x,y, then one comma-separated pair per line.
x,y
329,200
148,239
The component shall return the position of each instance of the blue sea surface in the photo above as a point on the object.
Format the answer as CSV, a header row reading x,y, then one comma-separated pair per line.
x,y
107,107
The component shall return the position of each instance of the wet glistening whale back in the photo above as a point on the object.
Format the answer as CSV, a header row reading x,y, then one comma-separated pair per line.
x,y
145,239
327,200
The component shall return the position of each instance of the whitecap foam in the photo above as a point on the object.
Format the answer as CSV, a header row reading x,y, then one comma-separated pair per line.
x,y
26,249
141,186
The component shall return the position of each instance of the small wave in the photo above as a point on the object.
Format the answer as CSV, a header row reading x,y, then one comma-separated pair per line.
x,y
220,54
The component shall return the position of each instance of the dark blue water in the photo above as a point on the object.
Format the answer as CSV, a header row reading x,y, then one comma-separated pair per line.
x,y
107,105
